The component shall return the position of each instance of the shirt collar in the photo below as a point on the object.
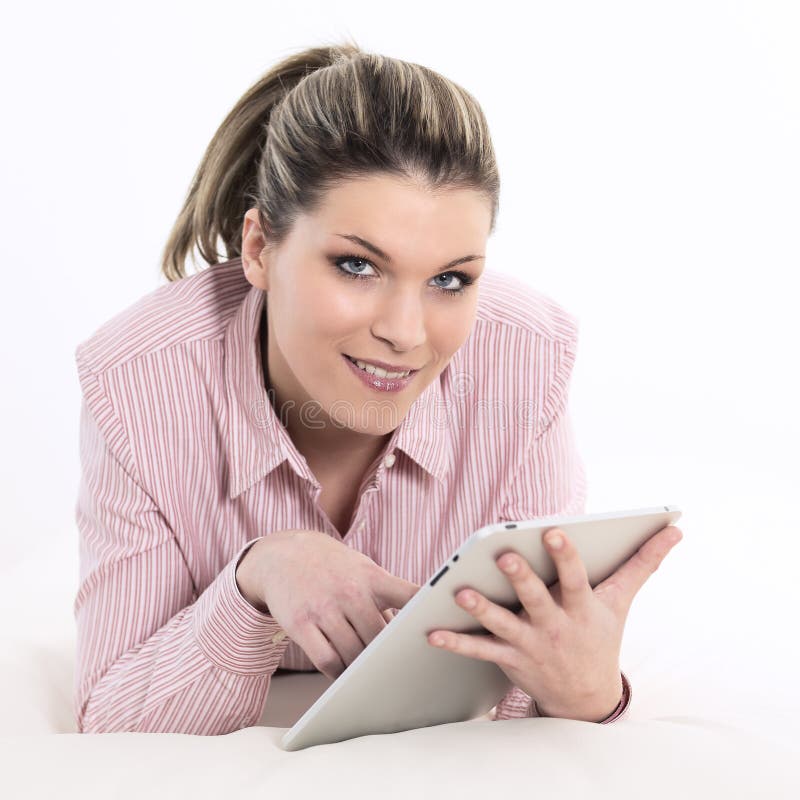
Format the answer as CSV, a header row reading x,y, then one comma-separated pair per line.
x,y
258,442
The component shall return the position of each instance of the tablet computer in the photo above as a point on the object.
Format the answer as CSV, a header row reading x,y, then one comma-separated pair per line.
x,y
399,681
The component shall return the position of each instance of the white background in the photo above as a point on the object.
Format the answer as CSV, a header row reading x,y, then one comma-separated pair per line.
x,y
650,176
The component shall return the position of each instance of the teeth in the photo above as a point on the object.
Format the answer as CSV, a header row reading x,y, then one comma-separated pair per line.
x,y
381,373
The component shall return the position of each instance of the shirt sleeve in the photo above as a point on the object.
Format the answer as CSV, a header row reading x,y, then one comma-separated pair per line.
x,y
151,656
550,482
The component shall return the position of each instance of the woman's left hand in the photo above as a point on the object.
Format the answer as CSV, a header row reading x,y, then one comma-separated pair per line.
x,y
563,647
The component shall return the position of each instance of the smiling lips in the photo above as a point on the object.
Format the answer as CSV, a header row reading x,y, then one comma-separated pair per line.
x,y
378,379
381,369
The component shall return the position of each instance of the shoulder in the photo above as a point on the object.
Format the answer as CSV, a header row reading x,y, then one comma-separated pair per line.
x,y
520,353
134,368
505,302
197,307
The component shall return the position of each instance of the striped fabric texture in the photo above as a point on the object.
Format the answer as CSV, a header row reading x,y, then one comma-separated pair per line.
x,y
184,465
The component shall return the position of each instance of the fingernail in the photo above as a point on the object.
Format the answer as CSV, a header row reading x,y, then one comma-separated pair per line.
x,y
554,540
675,536
510,565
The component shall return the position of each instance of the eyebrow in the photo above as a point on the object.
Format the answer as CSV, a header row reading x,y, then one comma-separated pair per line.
x,y
388,259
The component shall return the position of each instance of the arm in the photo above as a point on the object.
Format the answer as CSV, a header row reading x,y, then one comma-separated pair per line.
x,y
148,658
551,481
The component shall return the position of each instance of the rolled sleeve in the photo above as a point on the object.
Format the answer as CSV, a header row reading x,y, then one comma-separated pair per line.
x,y
232,633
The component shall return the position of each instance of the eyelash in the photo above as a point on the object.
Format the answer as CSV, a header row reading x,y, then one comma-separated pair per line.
x,y
465,279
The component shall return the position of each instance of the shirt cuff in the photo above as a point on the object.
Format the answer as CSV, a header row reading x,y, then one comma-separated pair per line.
x,y
232,633
621,708
623,704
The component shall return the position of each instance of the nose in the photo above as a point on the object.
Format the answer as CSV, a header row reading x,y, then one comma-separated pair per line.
x,y
400,320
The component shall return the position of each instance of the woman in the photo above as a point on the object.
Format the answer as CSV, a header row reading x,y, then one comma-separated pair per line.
x,y
278,450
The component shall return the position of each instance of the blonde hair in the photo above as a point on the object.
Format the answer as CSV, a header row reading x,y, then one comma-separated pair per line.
x,y
320,116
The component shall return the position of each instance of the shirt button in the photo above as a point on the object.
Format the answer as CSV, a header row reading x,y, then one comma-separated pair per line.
x,y
278,637
389,460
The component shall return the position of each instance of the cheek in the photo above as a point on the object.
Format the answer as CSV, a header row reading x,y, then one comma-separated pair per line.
x,y
298,325
341,311
322,308
448,331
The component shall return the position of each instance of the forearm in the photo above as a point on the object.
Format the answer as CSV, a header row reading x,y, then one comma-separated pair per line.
x,y
206,671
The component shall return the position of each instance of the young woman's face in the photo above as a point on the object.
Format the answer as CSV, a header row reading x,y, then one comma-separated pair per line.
x,y
405,307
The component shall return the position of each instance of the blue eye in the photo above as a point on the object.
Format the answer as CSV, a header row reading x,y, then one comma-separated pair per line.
x,y
344,260
464,279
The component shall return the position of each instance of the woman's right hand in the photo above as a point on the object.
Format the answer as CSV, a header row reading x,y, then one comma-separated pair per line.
x,y
329,598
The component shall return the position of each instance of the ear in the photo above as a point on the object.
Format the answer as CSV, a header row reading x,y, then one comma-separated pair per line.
x,y
254,253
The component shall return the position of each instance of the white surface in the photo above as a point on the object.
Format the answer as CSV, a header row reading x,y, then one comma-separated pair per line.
x,y
707,720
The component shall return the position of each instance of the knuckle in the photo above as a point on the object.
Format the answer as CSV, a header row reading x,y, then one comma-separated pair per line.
x,y
328,665
611,588
511,661
535,594
573,583
645,562
654,564
351,590
301,618
553,634
316,614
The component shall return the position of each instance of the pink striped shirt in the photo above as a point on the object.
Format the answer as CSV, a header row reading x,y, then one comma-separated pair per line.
x,y
185,465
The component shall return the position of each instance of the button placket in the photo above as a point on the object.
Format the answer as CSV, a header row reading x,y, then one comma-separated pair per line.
x,y
364,504
369,487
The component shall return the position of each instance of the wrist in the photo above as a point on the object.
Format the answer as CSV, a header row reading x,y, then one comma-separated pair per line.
x,y
244,582
595,709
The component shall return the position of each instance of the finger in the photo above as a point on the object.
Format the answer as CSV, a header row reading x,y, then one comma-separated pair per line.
x,y
367,624
389,590
319,650
575,590
505,624
626,581
485,648
533,594
342,636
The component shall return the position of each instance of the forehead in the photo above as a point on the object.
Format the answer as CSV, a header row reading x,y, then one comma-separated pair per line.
x,y
400,211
